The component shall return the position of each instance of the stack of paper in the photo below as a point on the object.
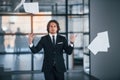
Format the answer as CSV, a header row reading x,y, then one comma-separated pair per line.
x,y
100,43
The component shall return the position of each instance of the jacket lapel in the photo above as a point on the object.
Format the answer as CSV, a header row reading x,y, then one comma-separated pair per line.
x,y
57,40
49,40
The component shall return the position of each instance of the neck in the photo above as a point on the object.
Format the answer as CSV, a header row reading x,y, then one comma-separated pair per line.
x,y
53,33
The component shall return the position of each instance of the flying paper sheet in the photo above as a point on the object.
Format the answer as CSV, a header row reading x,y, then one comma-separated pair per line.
x,y
104,35
31,7
100,43
19,5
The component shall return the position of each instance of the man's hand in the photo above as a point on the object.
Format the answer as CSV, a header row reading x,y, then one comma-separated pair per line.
x,y
30,38
72,38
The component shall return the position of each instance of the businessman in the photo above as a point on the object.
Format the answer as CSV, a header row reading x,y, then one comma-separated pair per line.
x,y
53,45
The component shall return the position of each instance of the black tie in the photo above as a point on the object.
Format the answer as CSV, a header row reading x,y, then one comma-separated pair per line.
x,y
53,40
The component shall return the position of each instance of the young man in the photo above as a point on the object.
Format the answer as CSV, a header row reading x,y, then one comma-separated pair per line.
x,y
53,45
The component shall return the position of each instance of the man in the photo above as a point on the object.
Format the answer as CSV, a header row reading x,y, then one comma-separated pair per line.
x,y
53,45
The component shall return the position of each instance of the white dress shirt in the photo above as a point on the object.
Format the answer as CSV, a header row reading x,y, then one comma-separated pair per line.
x,y
51,36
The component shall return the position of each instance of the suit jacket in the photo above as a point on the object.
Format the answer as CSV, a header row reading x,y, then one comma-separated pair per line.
x,y
52,53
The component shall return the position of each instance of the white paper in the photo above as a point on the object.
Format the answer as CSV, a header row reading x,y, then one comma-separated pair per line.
x,y
94,46
100,43
31,7
104,35
19,5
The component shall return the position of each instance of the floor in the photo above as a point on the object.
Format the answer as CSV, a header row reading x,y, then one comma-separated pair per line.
x,y
14,65
76,75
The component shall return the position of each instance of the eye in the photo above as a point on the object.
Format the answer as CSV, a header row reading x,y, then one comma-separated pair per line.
x,y
55,26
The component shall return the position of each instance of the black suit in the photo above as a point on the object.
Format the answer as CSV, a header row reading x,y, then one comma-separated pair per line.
x,y
53,53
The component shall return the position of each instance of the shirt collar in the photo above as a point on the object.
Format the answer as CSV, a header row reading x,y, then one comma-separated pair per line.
x,y
52,35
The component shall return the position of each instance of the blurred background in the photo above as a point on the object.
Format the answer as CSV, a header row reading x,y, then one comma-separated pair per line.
x,y
73,17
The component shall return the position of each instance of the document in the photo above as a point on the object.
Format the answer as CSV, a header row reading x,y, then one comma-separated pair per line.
x,y
100,43
31,7
19,5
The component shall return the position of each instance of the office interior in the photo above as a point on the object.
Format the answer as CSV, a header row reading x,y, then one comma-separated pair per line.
x,y
84,18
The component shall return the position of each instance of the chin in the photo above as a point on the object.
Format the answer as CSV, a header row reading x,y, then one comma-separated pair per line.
x,y
52,32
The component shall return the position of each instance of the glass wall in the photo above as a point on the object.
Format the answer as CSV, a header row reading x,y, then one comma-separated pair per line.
x,y
14,28
78,24
16,24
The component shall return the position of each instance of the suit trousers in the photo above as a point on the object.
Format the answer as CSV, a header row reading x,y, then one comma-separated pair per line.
x,y
54,75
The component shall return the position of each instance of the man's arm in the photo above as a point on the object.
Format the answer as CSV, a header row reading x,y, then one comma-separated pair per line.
x,y
69,48
37,48
33,48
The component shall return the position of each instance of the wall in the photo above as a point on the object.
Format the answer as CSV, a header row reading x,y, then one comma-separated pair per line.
x,y
105,15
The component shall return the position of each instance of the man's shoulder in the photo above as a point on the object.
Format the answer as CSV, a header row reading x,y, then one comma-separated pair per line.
x,y
61,36
45,36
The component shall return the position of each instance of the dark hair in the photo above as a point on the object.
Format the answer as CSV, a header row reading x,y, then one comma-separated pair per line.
x,y
48,25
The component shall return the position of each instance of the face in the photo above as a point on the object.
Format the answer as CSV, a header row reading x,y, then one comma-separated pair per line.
x,y
53,28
